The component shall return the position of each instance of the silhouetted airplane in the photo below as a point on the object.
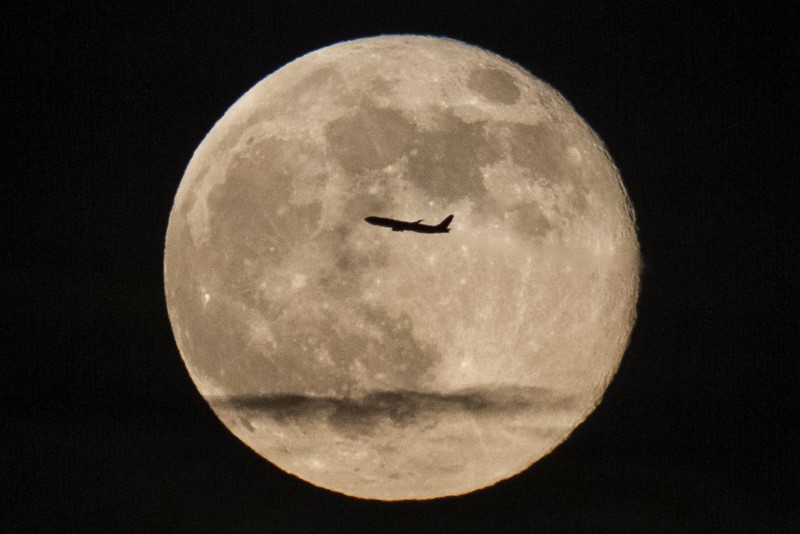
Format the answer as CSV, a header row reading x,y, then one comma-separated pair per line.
x,y
402,226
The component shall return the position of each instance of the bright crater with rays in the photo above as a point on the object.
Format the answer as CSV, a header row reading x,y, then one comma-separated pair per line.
x,y
393,365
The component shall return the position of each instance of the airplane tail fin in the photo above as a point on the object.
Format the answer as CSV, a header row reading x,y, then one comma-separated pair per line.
x,y
445,223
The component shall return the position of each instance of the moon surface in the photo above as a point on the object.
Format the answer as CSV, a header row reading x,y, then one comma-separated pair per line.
x,y
398,365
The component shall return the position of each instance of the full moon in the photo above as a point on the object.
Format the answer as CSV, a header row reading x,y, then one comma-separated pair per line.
x,y
401,365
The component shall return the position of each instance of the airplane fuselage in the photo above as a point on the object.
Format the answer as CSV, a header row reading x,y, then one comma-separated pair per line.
x,y
406,226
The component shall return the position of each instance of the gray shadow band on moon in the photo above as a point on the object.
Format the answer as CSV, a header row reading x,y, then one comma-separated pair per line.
x,y
391,365
399,408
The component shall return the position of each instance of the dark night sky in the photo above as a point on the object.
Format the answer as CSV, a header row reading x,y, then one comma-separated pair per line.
x,y
102,427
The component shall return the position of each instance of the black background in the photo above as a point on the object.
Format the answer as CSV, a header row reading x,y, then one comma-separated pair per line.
x,y
102,427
